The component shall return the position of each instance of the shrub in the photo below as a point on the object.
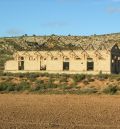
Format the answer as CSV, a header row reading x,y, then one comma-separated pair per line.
x,y
102,76
111,89
44,74
66,87
20,75
89,90
86,82
22,86
6,86
11,88
50,84
6,74
33,75
63,79
118,79
1,73
39,81
90,78
40,85
78,77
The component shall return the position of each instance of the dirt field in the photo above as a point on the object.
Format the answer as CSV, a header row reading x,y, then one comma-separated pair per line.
x,y
59,112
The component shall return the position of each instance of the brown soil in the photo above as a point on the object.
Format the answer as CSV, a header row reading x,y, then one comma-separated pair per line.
x,y
59,112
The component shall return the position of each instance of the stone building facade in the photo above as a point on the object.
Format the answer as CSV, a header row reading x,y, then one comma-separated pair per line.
x,y
87,59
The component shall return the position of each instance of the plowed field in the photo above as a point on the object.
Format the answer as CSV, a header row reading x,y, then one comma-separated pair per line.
x,y
59,112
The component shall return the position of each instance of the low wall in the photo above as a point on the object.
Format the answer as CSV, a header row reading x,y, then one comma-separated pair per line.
x,y
58,72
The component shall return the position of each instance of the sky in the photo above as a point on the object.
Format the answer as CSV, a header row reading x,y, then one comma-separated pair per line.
x,y
60,17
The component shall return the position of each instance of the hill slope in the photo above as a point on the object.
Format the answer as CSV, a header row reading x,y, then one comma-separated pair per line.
x,y
11,44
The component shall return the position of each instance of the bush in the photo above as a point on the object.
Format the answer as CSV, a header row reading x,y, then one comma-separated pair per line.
x,y
22,86
6,74
90,78
78,77
89,90
86,82
11,88
39,82
20,75
33,75
111,89
1,73
44,74
63,79
50,84
66,87
40,85
5,86
102,76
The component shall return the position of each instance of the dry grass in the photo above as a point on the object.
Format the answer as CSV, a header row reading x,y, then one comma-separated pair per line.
x,y
59,112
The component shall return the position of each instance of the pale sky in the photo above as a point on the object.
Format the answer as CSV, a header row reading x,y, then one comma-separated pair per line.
x,y
61,17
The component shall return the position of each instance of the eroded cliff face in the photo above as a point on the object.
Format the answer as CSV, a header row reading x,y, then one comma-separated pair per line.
x,y
9,45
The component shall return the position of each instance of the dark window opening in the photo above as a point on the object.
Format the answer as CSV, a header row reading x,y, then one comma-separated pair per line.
x,y
66,66
115,65
77,58
21,58
55,58
43,67
21,65
90,64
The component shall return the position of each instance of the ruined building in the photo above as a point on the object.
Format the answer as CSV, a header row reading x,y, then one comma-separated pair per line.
x,y
80,58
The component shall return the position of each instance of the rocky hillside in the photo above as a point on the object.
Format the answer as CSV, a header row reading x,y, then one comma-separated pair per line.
x,y
11,44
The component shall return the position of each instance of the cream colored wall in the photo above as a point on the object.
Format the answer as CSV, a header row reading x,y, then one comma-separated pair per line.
x,y
57,65
11,65
78,65
32,65
104,64
99,64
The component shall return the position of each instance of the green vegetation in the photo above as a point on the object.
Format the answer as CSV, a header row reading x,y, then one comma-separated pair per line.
x,y
59,83
9,86
111,89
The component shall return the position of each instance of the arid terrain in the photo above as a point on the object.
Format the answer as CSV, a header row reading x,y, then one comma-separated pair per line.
x,y
29,111
9,45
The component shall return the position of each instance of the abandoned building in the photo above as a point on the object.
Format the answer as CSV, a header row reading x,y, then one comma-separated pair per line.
x,y
82,58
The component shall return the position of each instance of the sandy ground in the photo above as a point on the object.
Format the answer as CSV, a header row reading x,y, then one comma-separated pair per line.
x,y
59,112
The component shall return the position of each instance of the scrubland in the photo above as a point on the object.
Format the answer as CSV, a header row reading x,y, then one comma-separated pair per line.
x,y
44,83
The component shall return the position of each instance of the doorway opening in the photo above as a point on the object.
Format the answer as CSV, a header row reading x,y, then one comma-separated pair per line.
x,y
65,66
21,65
90,64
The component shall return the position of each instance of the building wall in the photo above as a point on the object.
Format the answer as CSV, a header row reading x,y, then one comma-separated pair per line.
x,y
11,65
78,65
54,62
54,65
104,64
32,65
